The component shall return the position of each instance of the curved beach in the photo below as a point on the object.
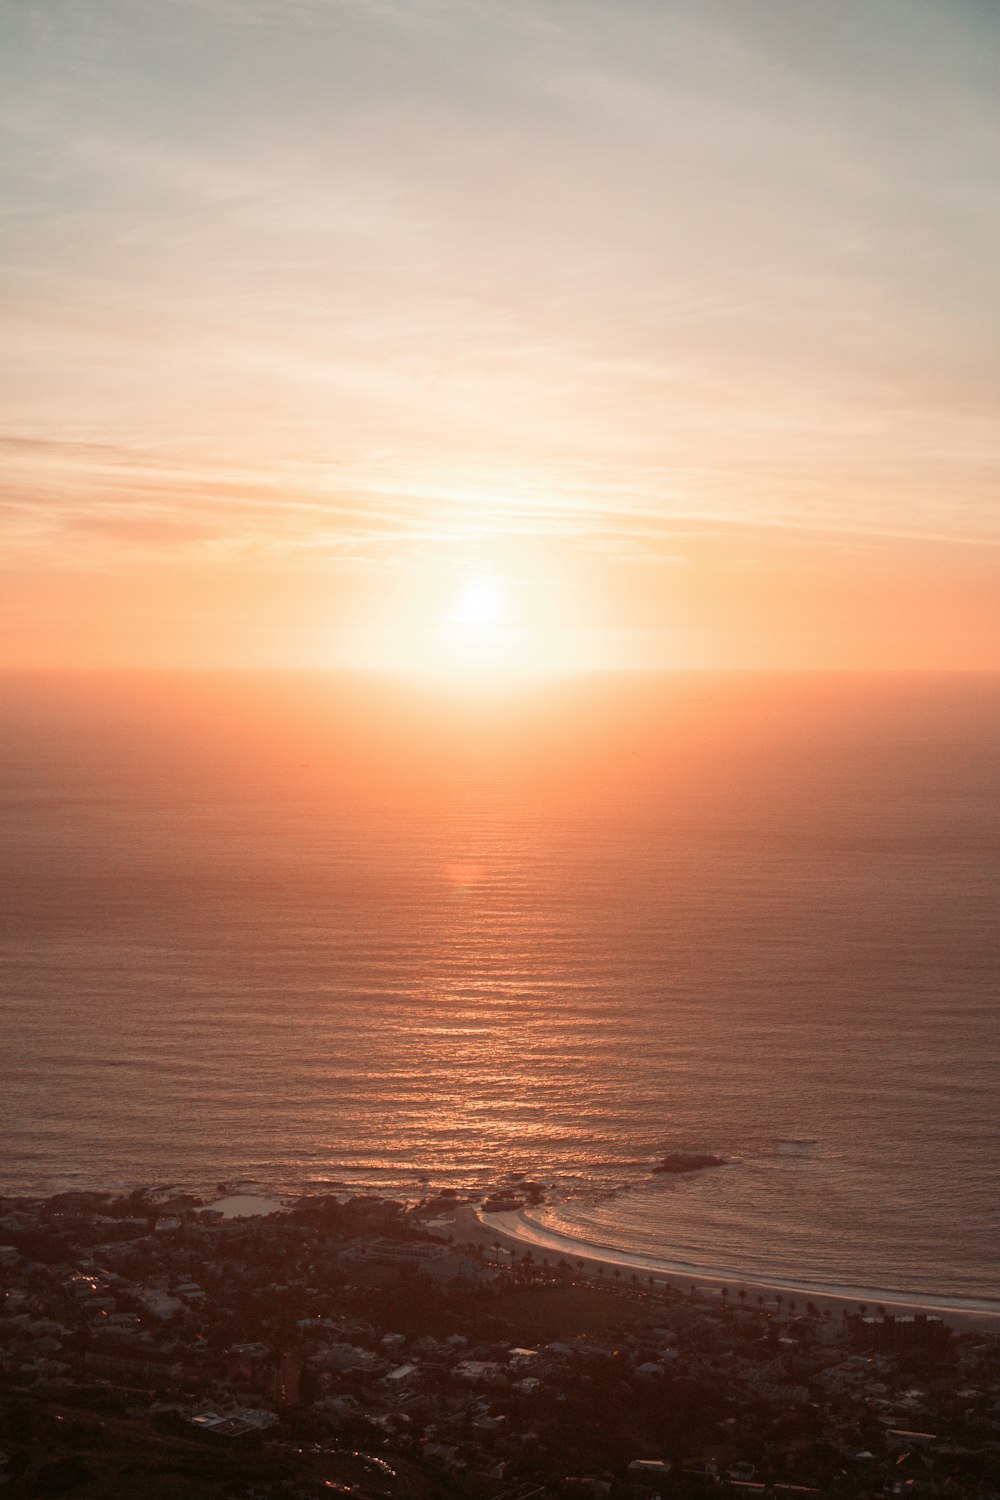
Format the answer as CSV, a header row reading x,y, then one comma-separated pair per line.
x,y
516,1229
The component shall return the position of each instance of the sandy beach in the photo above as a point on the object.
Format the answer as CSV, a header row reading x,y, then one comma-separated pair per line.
x,y
515,1231
245,1206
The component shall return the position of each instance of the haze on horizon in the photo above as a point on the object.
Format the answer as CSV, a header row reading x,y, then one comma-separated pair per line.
x,y
498,333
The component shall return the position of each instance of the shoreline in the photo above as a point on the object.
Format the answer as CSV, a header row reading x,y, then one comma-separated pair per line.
x,y
514,1229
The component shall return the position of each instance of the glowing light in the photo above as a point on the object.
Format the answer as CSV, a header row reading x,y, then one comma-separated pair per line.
x,y
481,602
481,626
477,634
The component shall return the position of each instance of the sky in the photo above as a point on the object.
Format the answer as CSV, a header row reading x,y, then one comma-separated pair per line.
x,y
500,335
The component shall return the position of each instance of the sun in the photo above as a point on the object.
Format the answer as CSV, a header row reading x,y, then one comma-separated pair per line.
x,y
480,625
481,601
478,629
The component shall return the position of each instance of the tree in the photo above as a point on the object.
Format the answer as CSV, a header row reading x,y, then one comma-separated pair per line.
x,y
60,1475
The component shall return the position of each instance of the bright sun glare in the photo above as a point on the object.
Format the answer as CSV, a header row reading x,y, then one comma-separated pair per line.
x,y
478,632
481,601
479,627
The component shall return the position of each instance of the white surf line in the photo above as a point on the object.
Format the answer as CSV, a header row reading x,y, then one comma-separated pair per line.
x,y
517,1226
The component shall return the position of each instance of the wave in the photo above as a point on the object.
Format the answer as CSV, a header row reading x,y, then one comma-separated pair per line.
x,y
796,1146
522,1227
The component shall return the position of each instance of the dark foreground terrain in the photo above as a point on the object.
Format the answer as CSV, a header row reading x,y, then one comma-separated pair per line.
x,y
149,1348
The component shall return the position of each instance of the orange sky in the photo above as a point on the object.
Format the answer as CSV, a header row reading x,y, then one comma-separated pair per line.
x,y
497,334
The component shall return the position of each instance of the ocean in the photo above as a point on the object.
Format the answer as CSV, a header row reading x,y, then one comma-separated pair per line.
x,y
341,933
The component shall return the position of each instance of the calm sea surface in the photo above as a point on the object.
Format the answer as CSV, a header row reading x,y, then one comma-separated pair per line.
x,y
312,930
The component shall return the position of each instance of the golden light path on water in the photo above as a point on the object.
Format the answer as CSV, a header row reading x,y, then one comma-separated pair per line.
x,y
339,934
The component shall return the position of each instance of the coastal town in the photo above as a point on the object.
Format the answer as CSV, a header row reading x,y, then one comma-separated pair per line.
x,y
159,1345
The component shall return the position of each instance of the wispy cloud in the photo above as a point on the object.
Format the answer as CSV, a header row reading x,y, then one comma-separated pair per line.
x,y
308,281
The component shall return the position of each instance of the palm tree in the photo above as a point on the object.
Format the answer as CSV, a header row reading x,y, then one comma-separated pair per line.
x,y
742,1294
